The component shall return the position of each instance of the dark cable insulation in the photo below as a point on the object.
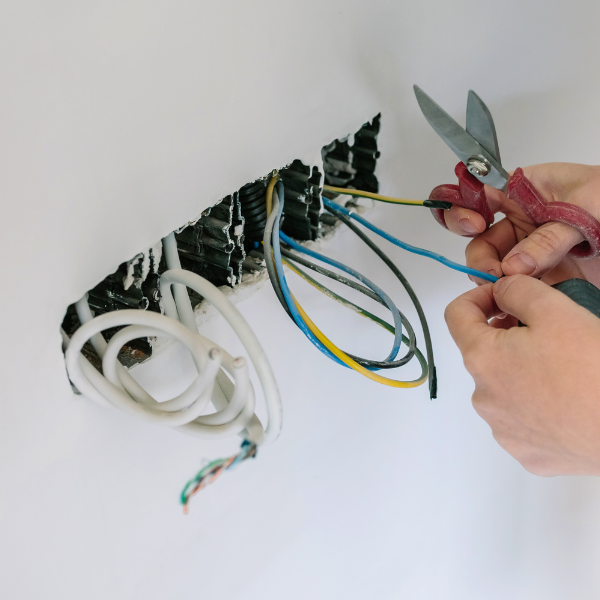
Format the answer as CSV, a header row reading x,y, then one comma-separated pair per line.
x,y
413,296
271,269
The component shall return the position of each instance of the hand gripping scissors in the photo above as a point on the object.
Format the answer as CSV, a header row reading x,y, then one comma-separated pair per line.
x,y
477,149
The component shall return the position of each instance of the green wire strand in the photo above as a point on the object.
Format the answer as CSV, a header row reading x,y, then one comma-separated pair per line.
x,y
358,309
199,476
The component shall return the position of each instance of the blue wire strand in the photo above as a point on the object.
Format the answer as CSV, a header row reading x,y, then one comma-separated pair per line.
x,y
286,290
342,267
405,246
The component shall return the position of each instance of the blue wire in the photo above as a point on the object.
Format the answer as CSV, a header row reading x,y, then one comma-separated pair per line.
x,y
286,290
405,246
288,296
342,267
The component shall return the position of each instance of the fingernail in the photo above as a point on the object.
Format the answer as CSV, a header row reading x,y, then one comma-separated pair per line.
x,y
501,316
493,272
466,225
521,263
501,284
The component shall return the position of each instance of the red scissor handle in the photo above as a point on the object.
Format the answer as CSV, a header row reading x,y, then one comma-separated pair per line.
x,y
470,193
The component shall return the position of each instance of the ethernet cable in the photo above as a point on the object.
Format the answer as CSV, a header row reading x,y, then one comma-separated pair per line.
x,y
213,470
233,396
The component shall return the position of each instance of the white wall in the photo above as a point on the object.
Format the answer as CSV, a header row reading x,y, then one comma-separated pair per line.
x,y
121,120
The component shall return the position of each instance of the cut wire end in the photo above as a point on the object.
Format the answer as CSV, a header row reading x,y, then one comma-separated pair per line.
x,y
443,204
210,473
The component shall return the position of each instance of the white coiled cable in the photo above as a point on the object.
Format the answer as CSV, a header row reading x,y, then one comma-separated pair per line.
x,y
233,396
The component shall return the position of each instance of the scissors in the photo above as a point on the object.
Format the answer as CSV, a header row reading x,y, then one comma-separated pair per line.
x,y
477,148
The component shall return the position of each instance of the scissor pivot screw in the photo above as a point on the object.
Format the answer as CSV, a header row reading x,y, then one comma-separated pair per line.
x,y
478,166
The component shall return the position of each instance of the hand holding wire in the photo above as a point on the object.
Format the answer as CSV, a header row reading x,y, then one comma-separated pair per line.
x,y
477,148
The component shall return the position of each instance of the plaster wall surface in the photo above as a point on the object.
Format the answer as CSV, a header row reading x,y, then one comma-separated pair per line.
x,y
120,121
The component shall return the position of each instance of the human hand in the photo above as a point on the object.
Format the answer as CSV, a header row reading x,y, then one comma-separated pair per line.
x,y
515,245
538,387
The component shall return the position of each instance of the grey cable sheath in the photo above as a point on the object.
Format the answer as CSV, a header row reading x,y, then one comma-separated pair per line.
x,y
268,248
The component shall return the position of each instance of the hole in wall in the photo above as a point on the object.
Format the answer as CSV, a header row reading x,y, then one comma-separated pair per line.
x,y
221,245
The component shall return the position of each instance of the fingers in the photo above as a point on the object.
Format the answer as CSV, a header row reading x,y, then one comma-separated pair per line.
x,y
531,301
486,251
463,221
467,317
542,250
495,198
504,322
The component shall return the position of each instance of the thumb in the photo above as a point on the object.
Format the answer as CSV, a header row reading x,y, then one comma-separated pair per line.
x,y
530,300
542,250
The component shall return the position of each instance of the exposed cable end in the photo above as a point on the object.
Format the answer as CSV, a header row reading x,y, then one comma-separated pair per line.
x,y
443,204
433,384
210,472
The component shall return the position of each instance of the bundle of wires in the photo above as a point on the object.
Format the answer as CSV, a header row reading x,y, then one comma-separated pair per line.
x,y
212,470
341,210
274,260
221,378
274,253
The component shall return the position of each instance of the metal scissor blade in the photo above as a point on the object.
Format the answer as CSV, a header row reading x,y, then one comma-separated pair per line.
x,y
465,146
480,124
459,141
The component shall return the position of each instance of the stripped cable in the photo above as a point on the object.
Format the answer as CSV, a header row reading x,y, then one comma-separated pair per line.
x,y
211,472
221,379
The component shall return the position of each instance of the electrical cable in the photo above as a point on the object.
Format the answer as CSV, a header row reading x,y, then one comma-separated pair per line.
x,y
409,290
334,263
410,341
268,248
213,470
386,300
117,386
331,274
340,299
443,204
269,255
257,355
303,320
379,294
269,194
233,397
414,249
362,312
